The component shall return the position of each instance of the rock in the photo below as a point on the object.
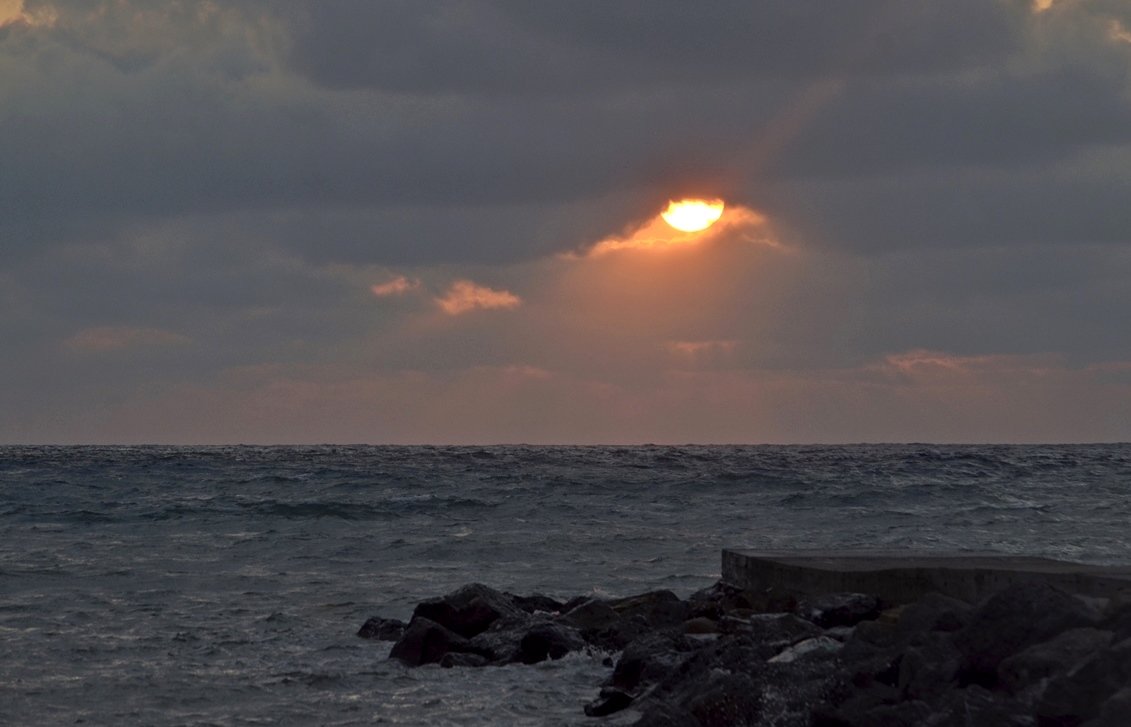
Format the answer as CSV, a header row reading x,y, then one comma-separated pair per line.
x,y
934,612
809,648
663,714
468,610
499,644
929,668
840,633
976,706
610,701
1115,711
1050,658
722,599
456,658
1074,698
591,615
659,609
548,641
873,708
536,602
840,609
648,660
1011,620
700,625
731,700
382,629
777,631
426,642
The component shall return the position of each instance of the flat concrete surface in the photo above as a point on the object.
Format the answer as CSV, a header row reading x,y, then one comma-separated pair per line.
x,y
903,576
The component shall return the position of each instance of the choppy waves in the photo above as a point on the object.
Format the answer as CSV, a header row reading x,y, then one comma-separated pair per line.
x,y
223,585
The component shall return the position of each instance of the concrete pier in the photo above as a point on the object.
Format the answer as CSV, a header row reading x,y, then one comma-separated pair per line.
x,y
902,577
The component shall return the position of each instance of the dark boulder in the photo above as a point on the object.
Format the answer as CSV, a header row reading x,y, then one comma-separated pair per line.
x,y
840,609
928,668
610,700
875,707
977,706
1050,658
659,609
544,641
1076,697
536,602
1011,620
468,610
934,612
426,642
778,631
1115,712
649,659
458,658
382,629
591,615
732,700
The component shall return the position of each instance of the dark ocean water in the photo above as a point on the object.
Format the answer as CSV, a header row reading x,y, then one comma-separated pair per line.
x,y
224,585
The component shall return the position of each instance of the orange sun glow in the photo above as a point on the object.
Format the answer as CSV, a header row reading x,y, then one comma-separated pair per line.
x,y
693,215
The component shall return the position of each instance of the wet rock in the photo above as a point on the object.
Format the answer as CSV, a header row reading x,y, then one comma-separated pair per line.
x,y
809,648
382,629
1011,620
977,706
700,625
727,701
426,642
877,707
1115,712
928,668
548,641
659,609
610,701
500,643
468,610
456,658
934,612
649,659
840,609
591,615
536,602
1050,658
1076,697
777,631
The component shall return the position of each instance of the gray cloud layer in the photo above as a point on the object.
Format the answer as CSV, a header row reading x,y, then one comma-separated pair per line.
x,y
198,188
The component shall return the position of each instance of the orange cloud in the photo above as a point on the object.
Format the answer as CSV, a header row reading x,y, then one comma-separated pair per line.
x,y
1119,32
113,338
656,235
13,12
698,348
464,296
397,286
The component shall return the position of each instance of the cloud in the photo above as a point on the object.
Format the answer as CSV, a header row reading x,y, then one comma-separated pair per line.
x,y
397,286
464,296
103,339
656,235
927,208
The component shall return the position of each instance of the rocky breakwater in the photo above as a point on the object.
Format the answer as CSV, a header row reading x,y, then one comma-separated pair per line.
x,y
1029,654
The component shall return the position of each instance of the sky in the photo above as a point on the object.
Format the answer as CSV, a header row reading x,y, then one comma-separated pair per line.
x,y
405,221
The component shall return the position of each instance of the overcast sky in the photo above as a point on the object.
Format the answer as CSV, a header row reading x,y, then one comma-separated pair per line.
x,y
410,221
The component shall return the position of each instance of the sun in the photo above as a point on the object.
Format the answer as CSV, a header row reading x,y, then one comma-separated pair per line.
x,y
693,215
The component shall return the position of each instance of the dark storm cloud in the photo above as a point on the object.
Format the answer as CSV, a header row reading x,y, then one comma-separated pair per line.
x,y
521,48
406,111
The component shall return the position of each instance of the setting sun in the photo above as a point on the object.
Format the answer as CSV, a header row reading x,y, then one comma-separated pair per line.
x,y
693,215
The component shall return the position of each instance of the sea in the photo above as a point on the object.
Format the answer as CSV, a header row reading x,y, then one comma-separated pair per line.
x,y
225,585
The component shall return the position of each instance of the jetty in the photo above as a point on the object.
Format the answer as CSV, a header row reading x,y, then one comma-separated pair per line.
x,y
904,577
